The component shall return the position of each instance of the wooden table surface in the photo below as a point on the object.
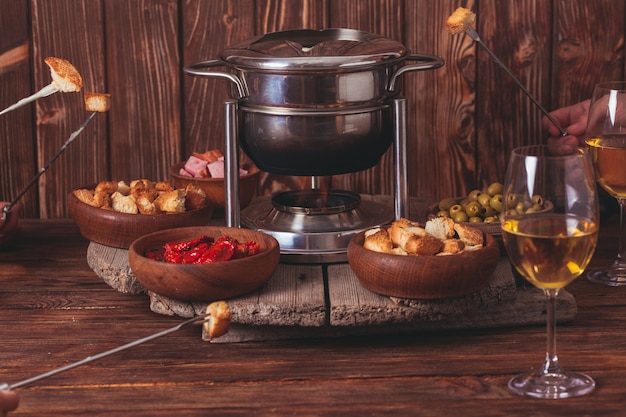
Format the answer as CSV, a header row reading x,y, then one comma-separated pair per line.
x,y
54,310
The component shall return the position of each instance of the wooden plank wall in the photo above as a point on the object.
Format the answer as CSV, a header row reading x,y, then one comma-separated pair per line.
x,y
463,118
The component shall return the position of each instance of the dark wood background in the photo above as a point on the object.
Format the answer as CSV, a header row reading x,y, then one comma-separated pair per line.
x,y
463,118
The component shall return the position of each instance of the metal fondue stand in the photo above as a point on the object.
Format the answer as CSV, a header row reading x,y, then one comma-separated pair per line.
x,y
231,163
314,103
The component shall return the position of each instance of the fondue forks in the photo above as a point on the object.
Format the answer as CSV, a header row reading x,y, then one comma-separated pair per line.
x,y
194,321
95,103
6,209
474,35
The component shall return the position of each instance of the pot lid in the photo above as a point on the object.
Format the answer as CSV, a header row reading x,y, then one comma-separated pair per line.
x,y
309,50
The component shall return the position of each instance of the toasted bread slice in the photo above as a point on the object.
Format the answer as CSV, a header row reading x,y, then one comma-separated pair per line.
x,y
472,238
440,227
97,102
378,240
460,20
65,77
218,319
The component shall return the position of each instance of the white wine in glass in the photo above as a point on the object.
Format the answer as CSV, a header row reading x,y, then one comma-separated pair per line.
x,y
550,230
606,140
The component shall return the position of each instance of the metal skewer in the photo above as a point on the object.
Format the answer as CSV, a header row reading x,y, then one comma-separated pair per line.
x,y
65,78
474,35
44,92
196,320
6,209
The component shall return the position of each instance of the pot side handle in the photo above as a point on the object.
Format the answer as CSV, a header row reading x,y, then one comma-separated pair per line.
x,y
429,62
198,69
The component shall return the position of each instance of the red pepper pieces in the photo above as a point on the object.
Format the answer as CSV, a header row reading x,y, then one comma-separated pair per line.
x,y
203,249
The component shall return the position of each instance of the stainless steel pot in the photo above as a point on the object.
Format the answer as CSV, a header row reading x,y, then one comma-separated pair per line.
x,y
297,142
315,102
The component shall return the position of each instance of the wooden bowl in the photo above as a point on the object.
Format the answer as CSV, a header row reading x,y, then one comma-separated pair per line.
x,y
119,230
204,282
493,228
215,187
423,277
9,227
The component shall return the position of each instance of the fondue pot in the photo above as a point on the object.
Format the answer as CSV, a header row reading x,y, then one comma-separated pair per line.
x,y
315,102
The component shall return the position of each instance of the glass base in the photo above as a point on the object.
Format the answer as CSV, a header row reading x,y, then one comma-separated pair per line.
x,y
552,385
613,277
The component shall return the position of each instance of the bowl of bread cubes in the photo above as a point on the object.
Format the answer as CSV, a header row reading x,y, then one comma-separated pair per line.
x,y
431,260
115,213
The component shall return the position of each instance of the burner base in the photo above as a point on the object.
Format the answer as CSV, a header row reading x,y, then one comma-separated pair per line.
x,y
314,238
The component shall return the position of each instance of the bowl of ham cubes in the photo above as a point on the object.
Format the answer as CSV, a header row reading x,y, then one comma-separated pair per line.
x,y
206,170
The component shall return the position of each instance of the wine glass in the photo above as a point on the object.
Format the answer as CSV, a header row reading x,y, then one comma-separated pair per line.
x,y
550,221
606,140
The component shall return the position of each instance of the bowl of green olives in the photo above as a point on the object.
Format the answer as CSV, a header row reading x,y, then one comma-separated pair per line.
x,y
482,208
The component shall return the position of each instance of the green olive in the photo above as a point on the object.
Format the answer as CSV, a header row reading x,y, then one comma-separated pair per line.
x,y
446,203
531,210
489,211
490,219
460,217
495,188
473,209
511,212
537,207
457,208
496,203
464,202
475,219
537,199
473,195
511,200
520,207
443,213
483,199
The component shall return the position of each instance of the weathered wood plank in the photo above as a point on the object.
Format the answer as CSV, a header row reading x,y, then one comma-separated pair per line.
x,y
328,301
294,296
55,310
275,15
208,28
461,124
55,25
517,33
111,264
143,72
352,305
441,126
17,159
588,48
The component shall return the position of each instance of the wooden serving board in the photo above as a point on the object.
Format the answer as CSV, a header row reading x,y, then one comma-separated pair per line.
x,y
302,301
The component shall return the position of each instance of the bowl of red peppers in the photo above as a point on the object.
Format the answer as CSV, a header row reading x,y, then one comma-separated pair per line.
x,y
204,263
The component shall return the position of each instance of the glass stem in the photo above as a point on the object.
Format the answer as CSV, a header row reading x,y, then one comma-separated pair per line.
x,y
621,255
551,363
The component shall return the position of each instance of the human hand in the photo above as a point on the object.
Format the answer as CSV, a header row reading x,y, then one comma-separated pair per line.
x,y
9,400
574,119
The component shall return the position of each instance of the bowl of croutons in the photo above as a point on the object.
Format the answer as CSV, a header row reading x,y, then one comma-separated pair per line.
x,y
206,171
115,213
431,260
